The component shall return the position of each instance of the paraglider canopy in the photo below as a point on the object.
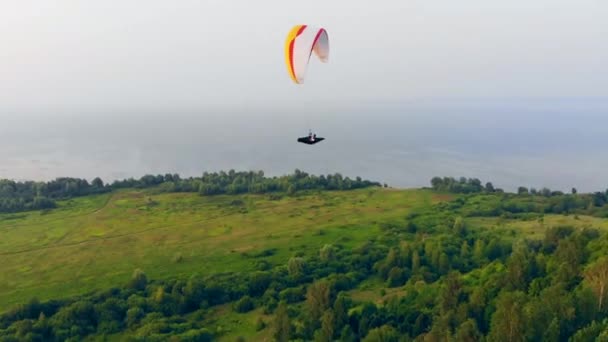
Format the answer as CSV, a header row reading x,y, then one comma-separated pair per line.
x,y
301,42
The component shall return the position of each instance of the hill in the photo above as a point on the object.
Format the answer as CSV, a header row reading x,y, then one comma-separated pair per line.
x,y
96,242
459,262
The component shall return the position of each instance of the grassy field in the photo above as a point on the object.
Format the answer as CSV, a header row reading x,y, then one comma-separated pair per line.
x,y
535,229
96,242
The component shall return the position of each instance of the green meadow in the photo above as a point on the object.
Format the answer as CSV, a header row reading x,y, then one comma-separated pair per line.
x,y
96,242
375,248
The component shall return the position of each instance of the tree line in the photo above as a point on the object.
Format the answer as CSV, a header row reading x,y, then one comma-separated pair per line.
x,y
465,185
29,195
457,283
478,200
22,196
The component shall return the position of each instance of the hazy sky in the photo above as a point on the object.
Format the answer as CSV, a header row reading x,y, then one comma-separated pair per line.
x,y
511,91
69,55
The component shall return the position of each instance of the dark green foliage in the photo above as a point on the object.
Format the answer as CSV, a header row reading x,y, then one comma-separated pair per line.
x,y
292,295
138,280
282,325
591,332
260,324
254,182
385,333
468,332
462,185
396,277
488,201
23,196
452,281
244,304
258,283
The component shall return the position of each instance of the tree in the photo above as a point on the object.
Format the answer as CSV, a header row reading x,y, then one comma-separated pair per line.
x,y
340,311
507,321
347,334
569,255
596,276
317,299
591,332
138,280
326,333
517,267
259,282
327,253
260,324
441,329
295,266
489,187
479,251
396,277
459,228
436,183
464,250
282,326
552,333
522,190
133,316
444,263
468,332
415,261
245,304
393,257
385,333
477,305
451,291
97,183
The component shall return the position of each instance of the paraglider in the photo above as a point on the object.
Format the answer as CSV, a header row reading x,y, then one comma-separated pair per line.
x,y
302,41
311,139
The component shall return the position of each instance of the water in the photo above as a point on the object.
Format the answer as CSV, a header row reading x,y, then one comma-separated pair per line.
x,y
555,143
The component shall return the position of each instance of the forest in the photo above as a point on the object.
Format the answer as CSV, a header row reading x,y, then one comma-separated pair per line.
x,y
525,201
24,196
457,281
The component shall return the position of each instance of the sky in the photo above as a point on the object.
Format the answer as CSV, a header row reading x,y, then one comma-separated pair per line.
x,y
80,74
90,56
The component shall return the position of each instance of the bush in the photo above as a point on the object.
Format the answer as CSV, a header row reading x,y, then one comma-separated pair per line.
x,y
177,258
244,304
200,335
292,295
138,280
396,277
260,324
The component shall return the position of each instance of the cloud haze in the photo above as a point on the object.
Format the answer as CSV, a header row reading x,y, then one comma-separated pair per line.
x,y
513,91
209,54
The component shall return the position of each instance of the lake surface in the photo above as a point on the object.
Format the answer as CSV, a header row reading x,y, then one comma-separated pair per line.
x,y
553,143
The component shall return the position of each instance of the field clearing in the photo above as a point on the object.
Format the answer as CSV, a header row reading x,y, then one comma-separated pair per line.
x,y
241,324
375,290
535,229
96,242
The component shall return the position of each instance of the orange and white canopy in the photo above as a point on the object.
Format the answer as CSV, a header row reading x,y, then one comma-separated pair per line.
x,y
301,41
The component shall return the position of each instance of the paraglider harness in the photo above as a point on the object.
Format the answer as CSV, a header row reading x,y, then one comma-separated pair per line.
x,y
311,139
